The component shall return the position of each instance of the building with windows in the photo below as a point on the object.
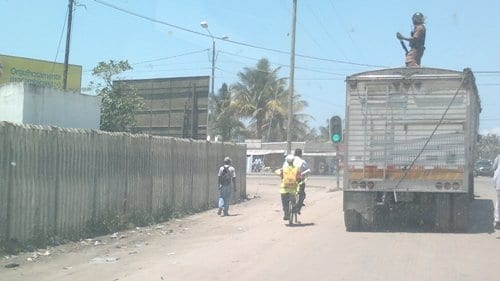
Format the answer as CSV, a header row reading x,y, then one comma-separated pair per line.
x,y
321,157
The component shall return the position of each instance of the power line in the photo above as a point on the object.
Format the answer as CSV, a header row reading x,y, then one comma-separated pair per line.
x,y
160,59
320,79
325,30
171,57
339,19
255,46
151,19
232,41
284,65
60,41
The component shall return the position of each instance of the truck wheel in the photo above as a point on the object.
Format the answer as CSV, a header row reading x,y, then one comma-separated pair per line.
x,y
352,220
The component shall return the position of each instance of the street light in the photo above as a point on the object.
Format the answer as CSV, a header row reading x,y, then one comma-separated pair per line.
x,y
204,24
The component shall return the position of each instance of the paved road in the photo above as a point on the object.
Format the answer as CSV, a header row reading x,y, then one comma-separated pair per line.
x,y
255,244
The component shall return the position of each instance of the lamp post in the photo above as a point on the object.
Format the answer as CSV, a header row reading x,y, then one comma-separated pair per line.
x,y
204,24
292,77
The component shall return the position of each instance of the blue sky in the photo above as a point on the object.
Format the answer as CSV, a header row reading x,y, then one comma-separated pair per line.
x,y
345,37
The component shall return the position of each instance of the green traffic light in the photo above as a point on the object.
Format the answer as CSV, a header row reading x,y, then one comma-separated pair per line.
x,y
336,129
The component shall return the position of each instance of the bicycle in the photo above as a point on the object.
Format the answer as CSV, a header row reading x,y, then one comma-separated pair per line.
x,y
292,211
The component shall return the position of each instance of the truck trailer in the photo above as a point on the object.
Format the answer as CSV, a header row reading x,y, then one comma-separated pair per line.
x,y
410,138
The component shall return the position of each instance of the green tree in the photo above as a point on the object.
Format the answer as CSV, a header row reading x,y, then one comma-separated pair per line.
x,y
262,97
225,124
300,127
324,132
279,116
488,147
257,95
119,102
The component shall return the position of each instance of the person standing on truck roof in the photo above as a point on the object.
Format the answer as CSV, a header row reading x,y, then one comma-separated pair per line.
x,y
496,181
417,41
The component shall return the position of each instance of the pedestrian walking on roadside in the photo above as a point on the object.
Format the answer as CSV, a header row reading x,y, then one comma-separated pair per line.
x,y
227,184
496,181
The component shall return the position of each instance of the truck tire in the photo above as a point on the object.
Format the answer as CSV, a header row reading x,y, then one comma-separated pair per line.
x,y
352,220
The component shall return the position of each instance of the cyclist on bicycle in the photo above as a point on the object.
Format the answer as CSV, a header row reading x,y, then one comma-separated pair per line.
x,y
304,173
290,179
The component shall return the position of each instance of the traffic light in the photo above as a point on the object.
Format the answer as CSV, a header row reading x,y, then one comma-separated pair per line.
x,y
336,129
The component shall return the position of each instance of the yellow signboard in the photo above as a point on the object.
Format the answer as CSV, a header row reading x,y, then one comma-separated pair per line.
x,y
39,72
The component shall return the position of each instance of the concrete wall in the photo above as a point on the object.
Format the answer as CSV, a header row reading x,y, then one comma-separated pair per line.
x,y
48,106
53,181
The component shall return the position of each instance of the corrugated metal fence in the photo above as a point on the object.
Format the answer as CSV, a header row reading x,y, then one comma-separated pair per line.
x,y
54,180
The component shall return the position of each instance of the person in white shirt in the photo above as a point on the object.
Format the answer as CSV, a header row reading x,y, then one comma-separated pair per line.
x,y
496,181
305,171
227,185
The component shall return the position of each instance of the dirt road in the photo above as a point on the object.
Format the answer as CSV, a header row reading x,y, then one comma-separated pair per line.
x,y
255,244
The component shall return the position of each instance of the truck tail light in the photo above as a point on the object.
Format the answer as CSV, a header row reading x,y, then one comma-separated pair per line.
x,y
447,185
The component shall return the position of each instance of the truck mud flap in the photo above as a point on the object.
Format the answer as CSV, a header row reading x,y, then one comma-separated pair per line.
x,y
460,212
442,219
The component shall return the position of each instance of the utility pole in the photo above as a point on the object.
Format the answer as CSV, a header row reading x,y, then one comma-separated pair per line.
x,y
68,39
212,94
292,74
204,24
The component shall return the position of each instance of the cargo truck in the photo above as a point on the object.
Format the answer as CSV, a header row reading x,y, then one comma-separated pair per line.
x,y
409,141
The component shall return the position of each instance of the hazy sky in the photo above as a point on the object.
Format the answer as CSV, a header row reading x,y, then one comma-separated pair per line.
x,y
334,39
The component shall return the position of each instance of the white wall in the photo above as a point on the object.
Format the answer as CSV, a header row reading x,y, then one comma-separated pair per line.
x,y
52,107
11,102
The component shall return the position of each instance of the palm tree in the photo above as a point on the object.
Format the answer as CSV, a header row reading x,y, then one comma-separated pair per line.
x,y
324,132
256,95
262,97
225,124
299,122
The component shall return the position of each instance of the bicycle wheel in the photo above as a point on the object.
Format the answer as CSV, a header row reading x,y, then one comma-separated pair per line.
x,y
295,212
291,212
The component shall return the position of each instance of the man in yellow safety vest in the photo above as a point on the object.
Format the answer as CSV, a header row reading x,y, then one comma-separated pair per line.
x,y
290,179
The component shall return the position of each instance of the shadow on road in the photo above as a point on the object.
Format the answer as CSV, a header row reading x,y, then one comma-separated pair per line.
x,y
480,220
232,215
481,216
301,224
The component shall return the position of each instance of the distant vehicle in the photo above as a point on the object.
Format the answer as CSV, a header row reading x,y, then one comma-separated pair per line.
x,y
483,168
410,138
